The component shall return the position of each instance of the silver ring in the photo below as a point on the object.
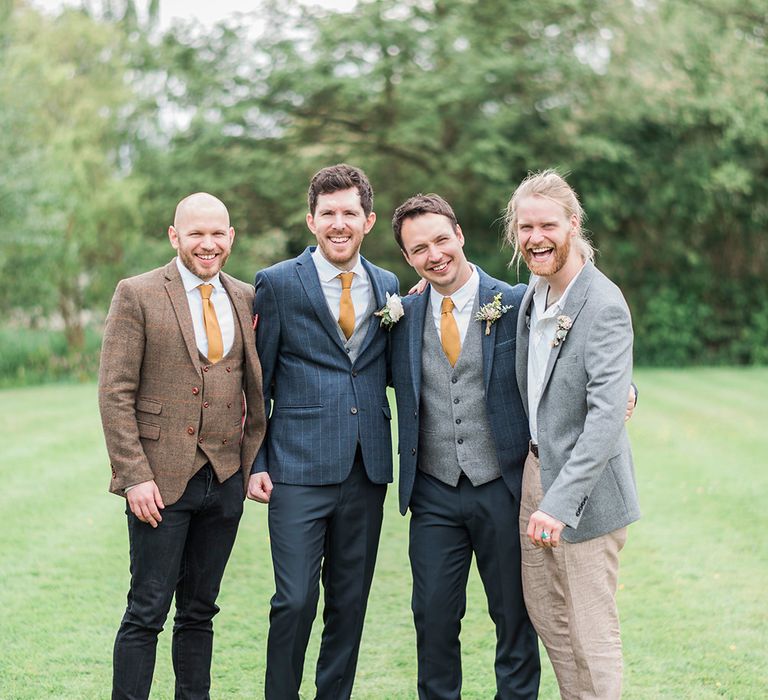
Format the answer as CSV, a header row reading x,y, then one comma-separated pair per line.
x,y
544,535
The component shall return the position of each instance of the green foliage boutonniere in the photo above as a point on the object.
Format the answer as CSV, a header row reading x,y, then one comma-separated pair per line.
x,y
491,312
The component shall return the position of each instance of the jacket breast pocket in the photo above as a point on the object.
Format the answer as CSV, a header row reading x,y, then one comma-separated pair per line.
x,y
148,431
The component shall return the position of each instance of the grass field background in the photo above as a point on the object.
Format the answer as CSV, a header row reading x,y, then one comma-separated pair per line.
x,y
692,586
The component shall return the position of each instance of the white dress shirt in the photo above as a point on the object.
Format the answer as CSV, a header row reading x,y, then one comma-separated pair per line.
x,y
542,333
463,301
221,304
331,286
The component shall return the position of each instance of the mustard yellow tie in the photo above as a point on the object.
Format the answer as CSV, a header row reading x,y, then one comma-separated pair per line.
x,y
346,308
212,329
449,332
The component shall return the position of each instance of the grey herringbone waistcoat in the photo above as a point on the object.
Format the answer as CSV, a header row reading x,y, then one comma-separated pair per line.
x,y
454,432
355,342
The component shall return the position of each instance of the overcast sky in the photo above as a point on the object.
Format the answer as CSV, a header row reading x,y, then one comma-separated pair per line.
x,y
207,11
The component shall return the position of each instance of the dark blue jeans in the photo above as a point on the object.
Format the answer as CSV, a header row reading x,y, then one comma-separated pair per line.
x,y
186,554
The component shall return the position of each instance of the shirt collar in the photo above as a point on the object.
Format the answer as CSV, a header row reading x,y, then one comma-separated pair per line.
x,y
190,280
327,271
462,296
540,289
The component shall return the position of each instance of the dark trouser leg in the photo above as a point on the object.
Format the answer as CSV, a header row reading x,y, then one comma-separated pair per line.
x,y
210,538
441,554
155,555
298,517
351,544
493,527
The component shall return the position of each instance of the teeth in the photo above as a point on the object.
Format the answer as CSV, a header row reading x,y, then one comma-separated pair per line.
x,y
439,268
540,250
210,256
339,240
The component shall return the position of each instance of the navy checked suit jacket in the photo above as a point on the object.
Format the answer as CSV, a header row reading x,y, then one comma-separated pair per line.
x,y
507,417
321,403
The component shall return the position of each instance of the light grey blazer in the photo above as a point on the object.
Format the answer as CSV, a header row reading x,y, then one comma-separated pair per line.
x,y
587,473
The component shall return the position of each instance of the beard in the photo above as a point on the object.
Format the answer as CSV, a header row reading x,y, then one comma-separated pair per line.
x,y
553,264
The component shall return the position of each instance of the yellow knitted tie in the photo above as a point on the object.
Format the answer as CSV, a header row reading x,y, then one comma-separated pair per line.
x,y
449,332
212,329
346,308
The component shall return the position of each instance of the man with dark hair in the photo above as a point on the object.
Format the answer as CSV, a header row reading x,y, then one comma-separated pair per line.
x,y
463,441
181,404
327,457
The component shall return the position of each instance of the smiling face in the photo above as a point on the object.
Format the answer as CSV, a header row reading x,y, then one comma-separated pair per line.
x,y
202,235
340,224
436,251
545,235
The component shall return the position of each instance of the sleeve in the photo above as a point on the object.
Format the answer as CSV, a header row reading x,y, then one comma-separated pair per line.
x,y
122,354
267,345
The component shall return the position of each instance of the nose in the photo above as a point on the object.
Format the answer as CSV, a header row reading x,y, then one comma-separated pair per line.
x,y
338,221
434,253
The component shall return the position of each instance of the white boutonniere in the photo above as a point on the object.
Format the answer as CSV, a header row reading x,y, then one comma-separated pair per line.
x,y
391,312
564,324
491,312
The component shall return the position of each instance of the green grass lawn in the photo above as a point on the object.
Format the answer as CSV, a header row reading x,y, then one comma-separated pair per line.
x,y
692,585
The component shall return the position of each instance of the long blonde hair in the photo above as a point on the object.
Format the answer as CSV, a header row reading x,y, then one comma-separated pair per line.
x,y
552,185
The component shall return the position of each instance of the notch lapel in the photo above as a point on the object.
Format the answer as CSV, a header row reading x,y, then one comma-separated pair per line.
x,y
577,296
486,291
416,339
305,267
174,287
379,296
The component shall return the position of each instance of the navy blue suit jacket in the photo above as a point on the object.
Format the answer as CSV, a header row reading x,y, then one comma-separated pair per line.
x,y
507,417
321,403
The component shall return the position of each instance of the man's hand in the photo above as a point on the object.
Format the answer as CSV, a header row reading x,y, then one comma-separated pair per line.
x,y
541,522
145,502
419,287
259,487
631,403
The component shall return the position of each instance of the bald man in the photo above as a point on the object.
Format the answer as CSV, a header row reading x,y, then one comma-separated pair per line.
x,y
183,417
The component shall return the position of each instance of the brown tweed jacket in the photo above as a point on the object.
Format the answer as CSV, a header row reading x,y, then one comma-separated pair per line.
x,y
151,375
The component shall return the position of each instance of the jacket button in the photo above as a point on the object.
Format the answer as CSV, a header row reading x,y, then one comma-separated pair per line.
x,y
458,420
224,441
229,369
205,404
354,373
415,414
453,381
205,369
195,390
460,441
229,405
200,440
191,430
353,410
413,450
455,401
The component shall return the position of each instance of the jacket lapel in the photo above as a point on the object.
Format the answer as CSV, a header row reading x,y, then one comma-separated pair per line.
x,y
379,296
419,311
305,267
178,296
243,312
577,296
486,292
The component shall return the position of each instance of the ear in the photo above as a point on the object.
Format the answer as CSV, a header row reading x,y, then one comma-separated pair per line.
x,y
369,222
574,224
231,235
173,236
311,223
407,259
460,235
